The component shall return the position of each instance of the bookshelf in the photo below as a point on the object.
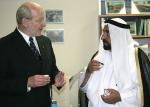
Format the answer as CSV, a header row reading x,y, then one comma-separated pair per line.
x,y
140,26
141,23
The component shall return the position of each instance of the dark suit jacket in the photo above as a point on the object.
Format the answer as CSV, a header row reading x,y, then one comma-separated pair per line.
x,y
17,63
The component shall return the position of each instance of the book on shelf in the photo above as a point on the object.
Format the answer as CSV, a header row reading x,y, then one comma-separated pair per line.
x,y
147,27
143,27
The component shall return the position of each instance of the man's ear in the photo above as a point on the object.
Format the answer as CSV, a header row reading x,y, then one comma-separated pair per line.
x,y
25,22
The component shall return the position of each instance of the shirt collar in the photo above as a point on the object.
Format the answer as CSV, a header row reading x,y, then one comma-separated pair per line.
x,y
26,37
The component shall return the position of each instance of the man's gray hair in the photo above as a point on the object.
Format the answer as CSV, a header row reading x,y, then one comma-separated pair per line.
x,y
23,12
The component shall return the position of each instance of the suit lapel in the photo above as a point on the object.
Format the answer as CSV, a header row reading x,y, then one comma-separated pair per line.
x,y
40,42
20,43
44,48
45,54
22,47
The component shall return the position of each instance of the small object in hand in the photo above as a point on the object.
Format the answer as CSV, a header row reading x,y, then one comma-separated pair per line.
x,y
106,92
54,103
46,75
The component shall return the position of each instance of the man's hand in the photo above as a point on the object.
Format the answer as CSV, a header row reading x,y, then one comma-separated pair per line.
x,y
38,80
112,96
94,65
59,79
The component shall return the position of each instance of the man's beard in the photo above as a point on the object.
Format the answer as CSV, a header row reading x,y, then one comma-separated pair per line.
x,y
106,45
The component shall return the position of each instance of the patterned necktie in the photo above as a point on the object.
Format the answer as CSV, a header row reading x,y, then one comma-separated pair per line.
x,y
34,49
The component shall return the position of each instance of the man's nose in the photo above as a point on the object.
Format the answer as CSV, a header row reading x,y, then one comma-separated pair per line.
x,y
43,24
102,37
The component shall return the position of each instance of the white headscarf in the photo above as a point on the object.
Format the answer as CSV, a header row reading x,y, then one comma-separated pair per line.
x,y
124,63
123,56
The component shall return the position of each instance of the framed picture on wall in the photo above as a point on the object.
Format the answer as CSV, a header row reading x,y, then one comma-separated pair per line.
x,y
55,35
132,27
143,6
54,16
114,6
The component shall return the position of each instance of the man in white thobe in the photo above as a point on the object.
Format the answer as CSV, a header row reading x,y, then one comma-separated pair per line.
x,y
111,78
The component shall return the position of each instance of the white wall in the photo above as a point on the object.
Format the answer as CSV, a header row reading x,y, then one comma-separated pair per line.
x,y
80,32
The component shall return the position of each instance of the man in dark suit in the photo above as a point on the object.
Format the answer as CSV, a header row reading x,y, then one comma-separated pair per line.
x,y
28,68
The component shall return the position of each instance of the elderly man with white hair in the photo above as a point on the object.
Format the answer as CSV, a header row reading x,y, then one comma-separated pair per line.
x,y
119,74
